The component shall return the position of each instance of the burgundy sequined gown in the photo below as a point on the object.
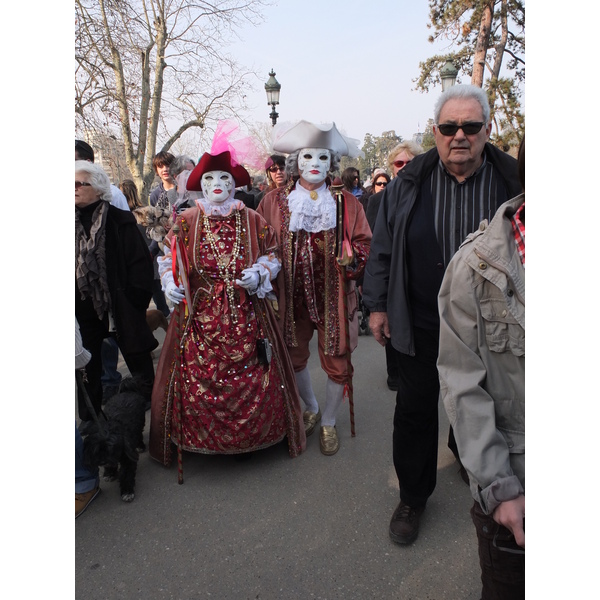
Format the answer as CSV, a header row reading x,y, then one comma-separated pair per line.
x,y
211,393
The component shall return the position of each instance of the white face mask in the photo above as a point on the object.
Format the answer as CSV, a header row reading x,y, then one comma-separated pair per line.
x,y
314,164
217,186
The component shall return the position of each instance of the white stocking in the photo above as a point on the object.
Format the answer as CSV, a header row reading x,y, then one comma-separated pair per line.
x,y
305,389
334,395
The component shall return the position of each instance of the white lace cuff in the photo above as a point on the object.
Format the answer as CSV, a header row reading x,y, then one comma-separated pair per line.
x,y
165,269
266,267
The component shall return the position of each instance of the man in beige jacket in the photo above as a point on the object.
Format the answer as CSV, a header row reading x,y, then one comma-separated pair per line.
x,y
481,367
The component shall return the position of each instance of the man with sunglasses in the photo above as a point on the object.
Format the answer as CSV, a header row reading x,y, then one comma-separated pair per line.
x,y
426,212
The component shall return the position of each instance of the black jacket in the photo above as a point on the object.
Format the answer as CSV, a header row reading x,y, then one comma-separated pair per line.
x,y
130,275
385,280
372,208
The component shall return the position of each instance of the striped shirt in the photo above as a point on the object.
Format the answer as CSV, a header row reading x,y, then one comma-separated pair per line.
x,y
518,223
460,207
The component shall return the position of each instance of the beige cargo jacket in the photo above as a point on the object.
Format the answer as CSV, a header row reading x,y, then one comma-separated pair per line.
x,y
481,360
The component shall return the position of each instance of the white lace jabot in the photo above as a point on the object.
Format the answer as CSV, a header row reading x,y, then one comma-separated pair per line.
x,y
308,214
219,210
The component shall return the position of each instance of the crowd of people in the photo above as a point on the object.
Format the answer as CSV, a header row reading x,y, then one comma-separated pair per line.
x,y
247,269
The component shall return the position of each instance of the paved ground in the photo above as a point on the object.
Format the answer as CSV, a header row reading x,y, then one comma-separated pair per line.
x,y
272,528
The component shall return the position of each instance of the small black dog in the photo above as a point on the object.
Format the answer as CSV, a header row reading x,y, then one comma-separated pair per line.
x,y
116,447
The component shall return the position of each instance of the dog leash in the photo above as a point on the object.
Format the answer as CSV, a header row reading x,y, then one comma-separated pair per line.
x,y
81,378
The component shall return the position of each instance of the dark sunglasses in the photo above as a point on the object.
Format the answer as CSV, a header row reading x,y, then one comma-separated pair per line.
x,y
468,128
400,163
381,183
276,168
79,184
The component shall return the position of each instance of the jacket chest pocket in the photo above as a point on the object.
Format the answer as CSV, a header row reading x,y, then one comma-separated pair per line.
x,y
502,331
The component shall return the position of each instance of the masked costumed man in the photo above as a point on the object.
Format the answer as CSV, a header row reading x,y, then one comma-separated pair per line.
x,y
225,383
314,291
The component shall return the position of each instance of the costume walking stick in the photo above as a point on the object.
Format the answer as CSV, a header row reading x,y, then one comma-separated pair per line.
x,y
180,274
344,257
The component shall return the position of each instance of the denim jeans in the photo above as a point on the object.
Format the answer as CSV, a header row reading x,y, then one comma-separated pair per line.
x,y
502,560
159,298
110,360
85,479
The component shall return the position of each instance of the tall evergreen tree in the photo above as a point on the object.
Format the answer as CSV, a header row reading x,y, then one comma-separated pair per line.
x,y
481,34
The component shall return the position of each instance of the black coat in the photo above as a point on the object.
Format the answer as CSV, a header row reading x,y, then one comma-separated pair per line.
x,y
385,279
373,203
130,275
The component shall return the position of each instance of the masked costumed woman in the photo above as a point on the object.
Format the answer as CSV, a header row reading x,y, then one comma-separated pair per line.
x,y
315,293
224,384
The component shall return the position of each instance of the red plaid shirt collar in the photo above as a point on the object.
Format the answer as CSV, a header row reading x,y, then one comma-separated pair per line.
x,y
518,224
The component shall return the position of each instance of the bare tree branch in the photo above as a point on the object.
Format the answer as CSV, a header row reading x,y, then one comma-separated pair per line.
x,y
152,71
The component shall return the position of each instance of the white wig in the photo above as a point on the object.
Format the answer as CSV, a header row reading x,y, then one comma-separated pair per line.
x,y
98,178
462,91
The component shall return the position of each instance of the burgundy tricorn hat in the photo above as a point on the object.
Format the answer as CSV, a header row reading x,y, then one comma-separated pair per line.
x,y
219,162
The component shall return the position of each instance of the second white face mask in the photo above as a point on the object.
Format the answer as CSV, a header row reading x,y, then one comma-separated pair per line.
x,y
314,164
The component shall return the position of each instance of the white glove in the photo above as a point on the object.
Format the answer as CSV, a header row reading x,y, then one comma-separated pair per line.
x,y
174,293
249,281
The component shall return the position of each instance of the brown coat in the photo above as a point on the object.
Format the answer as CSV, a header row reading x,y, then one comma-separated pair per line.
x,y
275,210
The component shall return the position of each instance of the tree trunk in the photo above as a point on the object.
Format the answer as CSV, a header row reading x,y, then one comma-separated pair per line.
x,y
482,44
141,156
500,46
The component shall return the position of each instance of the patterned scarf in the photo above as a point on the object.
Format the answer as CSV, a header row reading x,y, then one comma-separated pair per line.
x,y
90,260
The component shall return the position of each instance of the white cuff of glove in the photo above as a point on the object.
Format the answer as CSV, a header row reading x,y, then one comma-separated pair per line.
x,y
250,280
174,293
256,279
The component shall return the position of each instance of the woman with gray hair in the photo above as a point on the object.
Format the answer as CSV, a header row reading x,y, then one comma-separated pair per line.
x,y
401,155
113,283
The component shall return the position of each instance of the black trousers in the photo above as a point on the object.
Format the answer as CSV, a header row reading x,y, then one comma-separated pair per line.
x,y
140,366
391,361
415,440
502,561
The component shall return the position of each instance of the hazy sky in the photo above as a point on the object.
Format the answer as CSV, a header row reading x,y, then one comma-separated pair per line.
x,y
347,61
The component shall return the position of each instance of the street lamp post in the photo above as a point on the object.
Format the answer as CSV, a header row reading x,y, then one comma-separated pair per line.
x,y
273,88
448,74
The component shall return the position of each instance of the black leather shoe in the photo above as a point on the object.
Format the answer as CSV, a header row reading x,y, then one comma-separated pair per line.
x,y
404,526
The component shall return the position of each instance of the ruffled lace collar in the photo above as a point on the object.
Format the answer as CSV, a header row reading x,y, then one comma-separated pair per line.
x,y
219,210
311,211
